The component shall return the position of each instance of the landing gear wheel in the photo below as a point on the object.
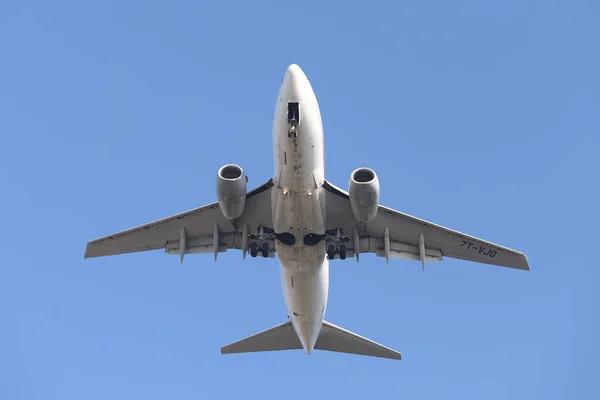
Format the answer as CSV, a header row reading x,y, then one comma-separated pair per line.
x,y
253,249
342,252
265,249
330,252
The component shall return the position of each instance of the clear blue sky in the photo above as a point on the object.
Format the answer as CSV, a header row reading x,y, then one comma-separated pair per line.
x,y
479,115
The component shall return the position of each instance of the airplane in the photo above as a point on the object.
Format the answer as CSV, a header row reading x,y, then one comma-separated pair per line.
x,y
305,221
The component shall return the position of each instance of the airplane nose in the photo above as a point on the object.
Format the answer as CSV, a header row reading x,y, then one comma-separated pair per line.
x,y
294,71
293,79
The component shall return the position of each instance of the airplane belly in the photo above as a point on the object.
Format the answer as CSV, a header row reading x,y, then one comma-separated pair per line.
x,y
297,217
298,204
301,167
305,294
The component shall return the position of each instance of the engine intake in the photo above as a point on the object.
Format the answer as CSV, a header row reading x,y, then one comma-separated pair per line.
x,y
231,190
363,190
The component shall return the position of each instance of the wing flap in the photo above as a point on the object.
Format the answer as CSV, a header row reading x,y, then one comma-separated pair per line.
x,y
407,252
204,244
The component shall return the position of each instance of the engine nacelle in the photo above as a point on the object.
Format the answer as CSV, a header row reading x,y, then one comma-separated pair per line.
x,y
364,194
231,190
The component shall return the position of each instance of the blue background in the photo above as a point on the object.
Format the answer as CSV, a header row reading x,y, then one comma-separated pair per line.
x,y
478,115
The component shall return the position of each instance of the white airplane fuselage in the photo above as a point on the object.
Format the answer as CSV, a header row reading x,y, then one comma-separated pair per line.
x,y
298,204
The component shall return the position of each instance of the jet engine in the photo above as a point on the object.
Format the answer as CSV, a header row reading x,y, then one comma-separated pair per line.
x,y
231,190
363,190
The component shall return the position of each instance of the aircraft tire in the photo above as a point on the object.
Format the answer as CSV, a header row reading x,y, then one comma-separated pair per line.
x,y
265,249
253,249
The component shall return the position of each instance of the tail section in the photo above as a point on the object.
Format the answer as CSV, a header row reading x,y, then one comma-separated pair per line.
x,y
280,337
331,338
334,338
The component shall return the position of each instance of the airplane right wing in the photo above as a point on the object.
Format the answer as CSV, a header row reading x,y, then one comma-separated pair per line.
x,y
202,230
393,234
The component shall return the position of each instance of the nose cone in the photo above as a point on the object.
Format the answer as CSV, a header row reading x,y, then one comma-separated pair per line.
x,y
293,80
294,72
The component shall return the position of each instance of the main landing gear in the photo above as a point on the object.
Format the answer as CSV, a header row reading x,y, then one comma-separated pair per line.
x,y
264,249
337,244
259,242
332,251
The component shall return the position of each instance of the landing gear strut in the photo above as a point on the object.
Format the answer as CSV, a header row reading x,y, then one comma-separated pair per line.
x,y
293,117
292,133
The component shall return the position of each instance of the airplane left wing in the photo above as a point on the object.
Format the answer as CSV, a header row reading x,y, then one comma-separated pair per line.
x,y
202,230
393,234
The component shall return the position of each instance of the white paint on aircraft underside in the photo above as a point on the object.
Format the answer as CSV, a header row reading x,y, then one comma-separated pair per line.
x,y
299,204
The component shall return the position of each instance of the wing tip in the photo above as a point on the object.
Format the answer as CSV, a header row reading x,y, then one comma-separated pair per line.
x,y
393,354
89,251
525,265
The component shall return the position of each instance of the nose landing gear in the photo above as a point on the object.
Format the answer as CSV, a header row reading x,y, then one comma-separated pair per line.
x,y
292,132
293,118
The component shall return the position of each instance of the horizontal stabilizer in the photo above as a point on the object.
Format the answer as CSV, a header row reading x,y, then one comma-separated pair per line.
x,y
334,338
331,338
280,337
